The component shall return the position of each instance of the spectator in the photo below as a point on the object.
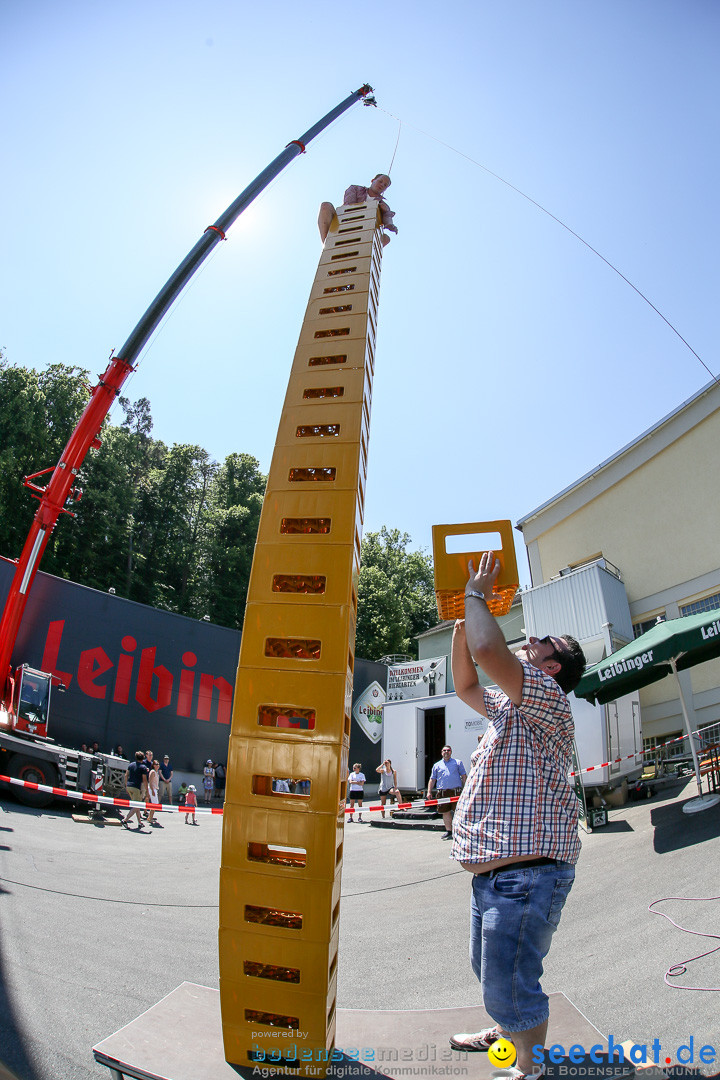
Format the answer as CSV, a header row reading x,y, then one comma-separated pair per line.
x,y
191,804
280,785
388,783
182,793
135,777
356,780
143,790
118,751
208,781
220,780
154,793
166,775
450,776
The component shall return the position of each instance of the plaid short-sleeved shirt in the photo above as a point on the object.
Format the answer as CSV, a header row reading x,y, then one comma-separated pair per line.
x,y
357,193
518,799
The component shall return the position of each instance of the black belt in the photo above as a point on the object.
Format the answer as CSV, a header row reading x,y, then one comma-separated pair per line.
x,y
521,864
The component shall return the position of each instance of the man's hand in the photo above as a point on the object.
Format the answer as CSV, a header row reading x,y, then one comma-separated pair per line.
x,y
483,580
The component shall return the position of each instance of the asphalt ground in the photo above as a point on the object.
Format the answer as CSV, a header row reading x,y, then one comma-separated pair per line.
x,y
97,924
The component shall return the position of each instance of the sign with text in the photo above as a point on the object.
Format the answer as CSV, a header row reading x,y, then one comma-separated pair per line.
x,y
417,678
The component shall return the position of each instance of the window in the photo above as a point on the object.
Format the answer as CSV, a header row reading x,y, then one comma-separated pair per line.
x,y
710,735
706,604
647,624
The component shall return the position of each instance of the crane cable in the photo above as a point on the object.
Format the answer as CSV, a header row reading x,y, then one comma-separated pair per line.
x,y
572,232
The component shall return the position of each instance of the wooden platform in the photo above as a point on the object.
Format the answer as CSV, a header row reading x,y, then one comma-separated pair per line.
x,y
180,1038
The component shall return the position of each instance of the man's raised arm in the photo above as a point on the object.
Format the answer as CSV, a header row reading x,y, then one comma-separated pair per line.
x,y
485,640
464,675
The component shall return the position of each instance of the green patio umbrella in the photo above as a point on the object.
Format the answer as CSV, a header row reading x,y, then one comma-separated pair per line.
x,y
667,648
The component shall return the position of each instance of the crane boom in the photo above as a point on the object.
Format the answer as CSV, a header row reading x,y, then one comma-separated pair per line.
x,y
60,488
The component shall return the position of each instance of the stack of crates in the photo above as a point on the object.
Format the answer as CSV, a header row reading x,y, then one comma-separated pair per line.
x,y
288,758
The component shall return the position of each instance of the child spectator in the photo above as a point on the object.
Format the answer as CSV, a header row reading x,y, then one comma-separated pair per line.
x,y
356,780
190,804
182,793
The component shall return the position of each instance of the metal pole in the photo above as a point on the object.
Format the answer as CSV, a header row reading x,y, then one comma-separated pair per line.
x,y
688,725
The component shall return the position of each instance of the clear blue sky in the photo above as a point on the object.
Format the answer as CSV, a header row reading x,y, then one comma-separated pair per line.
x,y
510,359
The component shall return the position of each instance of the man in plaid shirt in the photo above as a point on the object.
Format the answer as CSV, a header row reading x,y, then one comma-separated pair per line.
x,y
515,825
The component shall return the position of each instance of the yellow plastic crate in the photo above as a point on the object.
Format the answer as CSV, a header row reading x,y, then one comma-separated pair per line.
x,y
348,302
278,907
312,514
330,355
281,842
345,458
451,570
305,573
354,383
309,1057
328,697
294,964
253,763
286,637
328,424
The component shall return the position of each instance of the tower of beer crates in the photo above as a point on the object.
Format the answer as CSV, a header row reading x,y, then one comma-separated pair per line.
x,y
288,757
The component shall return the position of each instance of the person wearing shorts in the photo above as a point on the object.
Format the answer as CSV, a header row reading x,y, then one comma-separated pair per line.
x,y
450,776
356,784
388,783
135,779
515,827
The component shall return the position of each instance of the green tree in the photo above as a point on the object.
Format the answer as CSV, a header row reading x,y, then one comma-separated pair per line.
x,y
38,411
166,527
230,538
396,595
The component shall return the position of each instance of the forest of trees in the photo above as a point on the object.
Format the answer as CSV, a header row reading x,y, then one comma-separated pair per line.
x,y
168,526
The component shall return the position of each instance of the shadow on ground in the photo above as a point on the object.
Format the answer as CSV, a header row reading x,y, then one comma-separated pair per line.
x,y
14,1062
675,830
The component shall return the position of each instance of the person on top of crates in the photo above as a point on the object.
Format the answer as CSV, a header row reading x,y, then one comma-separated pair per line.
x,y
357,193
515,826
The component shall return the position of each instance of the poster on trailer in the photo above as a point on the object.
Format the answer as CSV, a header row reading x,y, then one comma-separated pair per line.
x,y
417,678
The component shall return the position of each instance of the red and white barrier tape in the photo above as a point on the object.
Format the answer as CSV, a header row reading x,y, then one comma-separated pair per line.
x,y
106,800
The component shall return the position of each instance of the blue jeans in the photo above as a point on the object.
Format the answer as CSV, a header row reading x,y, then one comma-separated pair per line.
x,y
514,916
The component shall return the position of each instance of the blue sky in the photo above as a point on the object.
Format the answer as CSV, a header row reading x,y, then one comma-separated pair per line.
x,y
510,359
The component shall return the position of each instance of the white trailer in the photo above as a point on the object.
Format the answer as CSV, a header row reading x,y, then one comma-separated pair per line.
x,y
608,733
414,732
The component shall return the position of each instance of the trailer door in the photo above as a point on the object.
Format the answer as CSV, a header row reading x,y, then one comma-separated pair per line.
x,y
403,741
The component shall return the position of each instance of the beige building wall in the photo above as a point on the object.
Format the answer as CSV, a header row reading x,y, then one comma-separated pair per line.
x,y
653,511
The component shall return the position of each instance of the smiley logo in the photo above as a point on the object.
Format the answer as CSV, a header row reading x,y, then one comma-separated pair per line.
x,y
502,1053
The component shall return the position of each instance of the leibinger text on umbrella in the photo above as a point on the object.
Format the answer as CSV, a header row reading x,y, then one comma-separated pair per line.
x,y
713,630
621,666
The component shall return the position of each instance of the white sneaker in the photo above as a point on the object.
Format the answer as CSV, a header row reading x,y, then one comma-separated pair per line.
x,y
480,1040
514,1073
